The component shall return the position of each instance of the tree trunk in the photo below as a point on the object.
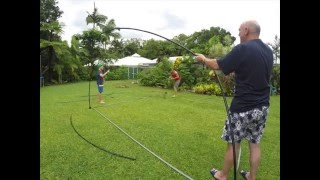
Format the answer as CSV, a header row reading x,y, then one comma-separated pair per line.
x,y
50,60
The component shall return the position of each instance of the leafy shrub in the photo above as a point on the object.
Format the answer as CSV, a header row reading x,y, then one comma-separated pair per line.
x,y
213,87
199,89
158,75
227,83
210,89
117,73
275,77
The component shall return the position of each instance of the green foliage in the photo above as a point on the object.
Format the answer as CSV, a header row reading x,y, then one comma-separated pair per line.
x,y
177,63
227,83
212,87
228,40
208,89
66,61
83,73
203,75
117,49
190,74
198,41
199,89
186,70
159,75
275,77
216,50
153,49
91,41
214,40
96,18
49,12
131,46
96,39
275,46
92,44
219,44
117,73
150,49
217,90
53,29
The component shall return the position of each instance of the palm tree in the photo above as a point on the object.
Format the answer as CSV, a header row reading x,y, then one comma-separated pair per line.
x,y
61,57
95,17
105,26
97,39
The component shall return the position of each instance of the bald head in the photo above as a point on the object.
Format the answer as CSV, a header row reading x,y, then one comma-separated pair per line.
x,y
254,27
249,30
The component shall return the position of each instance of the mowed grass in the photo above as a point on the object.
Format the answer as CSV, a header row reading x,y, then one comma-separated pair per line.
x,y
184,131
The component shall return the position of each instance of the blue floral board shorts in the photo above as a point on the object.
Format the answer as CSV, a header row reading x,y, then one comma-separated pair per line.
x,y
247,125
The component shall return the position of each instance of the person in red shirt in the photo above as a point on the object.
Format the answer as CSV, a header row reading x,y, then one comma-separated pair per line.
x,y
175,76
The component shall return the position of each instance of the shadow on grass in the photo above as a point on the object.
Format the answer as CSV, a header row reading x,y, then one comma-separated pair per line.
x,y
112,153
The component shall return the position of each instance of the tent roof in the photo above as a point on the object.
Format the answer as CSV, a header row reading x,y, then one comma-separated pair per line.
x,y
133,60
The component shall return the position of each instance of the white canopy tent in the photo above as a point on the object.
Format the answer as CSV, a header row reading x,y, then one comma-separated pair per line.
x,y
172,58
133,62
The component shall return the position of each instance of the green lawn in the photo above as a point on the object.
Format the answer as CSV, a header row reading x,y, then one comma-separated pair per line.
x,y
184,131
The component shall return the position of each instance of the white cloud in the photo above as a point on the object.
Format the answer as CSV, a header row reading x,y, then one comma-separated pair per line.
x,y
170,18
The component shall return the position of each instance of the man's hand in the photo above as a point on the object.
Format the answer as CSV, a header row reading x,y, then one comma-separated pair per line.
x,y
200,58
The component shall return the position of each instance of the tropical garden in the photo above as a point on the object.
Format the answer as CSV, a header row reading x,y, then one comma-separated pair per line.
x,y
76,144
63,62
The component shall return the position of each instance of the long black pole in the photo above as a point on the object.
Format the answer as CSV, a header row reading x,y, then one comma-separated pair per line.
x,y
223,94
157,35
89,93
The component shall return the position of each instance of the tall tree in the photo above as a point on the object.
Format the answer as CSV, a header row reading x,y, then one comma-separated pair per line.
x,y
50,31
117,48
95,18
132,46
66,59
53,29
151,49
49,12
97,39
199,42
108,35
276,49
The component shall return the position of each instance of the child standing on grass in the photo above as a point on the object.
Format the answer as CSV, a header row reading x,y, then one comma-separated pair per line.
x,y
100,81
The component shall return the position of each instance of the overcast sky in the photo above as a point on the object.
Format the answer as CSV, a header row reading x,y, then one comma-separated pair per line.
x,y
170,18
